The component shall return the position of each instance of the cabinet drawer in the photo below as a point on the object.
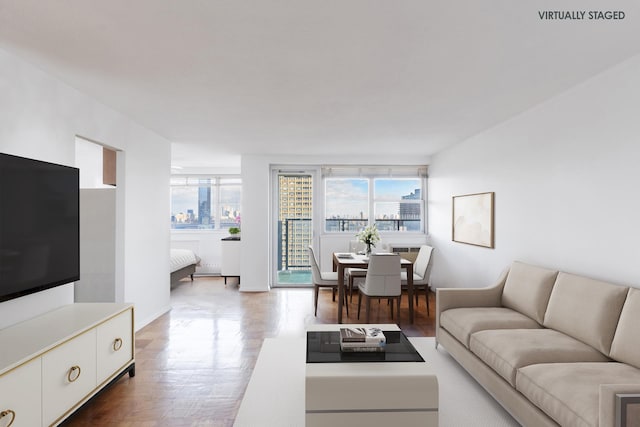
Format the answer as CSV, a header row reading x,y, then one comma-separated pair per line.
x,y
68,375
115,345
20,397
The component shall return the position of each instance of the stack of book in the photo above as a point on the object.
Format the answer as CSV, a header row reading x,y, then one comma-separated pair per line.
x,y
362,340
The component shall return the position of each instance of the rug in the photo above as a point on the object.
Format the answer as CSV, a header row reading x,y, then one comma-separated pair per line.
x,y
275,393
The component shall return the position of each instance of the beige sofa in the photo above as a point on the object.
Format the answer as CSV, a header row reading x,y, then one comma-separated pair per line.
x,y
553,348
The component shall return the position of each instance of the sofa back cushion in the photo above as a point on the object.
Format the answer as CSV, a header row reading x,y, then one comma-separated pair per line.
x,y
626,341
585,309
527,289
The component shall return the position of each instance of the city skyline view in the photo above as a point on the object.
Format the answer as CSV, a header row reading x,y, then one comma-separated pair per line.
x,y
347,204
348,198
205,205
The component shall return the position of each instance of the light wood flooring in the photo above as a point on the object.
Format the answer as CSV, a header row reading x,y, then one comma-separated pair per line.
x,y
193,363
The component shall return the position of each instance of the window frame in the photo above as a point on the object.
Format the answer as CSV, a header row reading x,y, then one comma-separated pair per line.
x,y
217,182
325,218
373,174
382,200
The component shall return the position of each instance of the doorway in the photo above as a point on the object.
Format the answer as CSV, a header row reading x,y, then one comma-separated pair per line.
x,y
101,229
293,216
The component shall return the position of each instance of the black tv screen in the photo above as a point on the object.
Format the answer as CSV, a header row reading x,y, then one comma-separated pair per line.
x,y
39,226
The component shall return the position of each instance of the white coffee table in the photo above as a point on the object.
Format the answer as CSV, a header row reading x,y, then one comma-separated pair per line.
x,y
276,393
371,393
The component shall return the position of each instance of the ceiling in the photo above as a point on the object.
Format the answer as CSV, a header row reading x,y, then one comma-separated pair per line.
x,y
221,78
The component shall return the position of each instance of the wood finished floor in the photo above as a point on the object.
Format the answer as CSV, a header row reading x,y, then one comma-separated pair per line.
x,y
194,363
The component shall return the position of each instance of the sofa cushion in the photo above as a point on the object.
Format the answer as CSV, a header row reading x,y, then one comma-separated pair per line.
x,y
507,350
626,341
585,309
462,322
569,392
527,289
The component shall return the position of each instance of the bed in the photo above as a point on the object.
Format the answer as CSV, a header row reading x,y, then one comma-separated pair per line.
x,y
183,264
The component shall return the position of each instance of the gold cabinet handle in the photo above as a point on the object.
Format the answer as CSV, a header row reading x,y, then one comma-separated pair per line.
x,y
117,344
6,413
74,369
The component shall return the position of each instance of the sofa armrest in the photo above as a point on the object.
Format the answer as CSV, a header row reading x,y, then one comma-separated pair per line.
x,y
491,296
612,399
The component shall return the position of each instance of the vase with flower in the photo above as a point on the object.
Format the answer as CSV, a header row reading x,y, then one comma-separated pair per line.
x,y
369,236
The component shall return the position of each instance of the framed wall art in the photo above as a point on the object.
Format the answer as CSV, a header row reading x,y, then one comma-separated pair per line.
x,y
473,219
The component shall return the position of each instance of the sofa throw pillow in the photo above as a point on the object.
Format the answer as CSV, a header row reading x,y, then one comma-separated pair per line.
x,y
527,289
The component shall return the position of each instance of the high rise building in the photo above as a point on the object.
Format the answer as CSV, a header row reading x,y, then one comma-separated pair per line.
x,y
204,202
409,213
294,221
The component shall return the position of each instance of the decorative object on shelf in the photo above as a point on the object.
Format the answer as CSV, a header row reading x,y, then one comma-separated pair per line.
x,y
235,230
473,219
369,236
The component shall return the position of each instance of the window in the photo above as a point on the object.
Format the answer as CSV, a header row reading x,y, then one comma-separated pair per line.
x,y
230,191
205,203
392,198
397,204
346,204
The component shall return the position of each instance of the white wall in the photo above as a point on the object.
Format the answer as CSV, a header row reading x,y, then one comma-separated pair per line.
x,y
97,245
40,118
256,210
565,176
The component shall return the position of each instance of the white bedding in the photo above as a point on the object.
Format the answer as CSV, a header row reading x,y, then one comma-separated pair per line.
x,y
181,258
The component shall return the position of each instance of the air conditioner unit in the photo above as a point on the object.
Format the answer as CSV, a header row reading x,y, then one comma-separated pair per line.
x,y
409,252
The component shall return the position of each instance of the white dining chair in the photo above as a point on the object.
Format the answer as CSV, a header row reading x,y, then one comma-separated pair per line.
x,y
323,279
382,281
421,273
351,274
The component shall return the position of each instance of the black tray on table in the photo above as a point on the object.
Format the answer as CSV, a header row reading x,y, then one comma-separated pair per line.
x,y
324,347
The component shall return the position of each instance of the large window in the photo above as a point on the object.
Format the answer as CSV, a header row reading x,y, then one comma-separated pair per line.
x,y
346,204
395,204
205,203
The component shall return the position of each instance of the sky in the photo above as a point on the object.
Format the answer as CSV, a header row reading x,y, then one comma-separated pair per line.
x,y
348,197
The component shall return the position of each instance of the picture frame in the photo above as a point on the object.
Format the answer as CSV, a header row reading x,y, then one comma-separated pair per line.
x,y
473,219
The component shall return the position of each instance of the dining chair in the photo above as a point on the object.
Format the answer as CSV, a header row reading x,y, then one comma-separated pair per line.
x,y
355,246
382,281
421,273
323,279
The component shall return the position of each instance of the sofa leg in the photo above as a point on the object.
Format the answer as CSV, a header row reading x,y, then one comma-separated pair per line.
x,y
436,343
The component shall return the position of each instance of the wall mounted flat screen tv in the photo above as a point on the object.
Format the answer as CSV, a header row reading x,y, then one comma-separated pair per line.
x,y
39,226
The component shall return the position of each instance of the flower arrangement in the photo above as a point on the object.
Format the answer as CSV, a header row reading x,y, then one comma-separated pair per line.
x,y
369,236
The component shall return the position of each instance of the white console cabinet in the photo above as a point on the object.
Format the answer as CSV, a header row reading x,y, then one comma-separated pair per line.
x,y
230,266
52,364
